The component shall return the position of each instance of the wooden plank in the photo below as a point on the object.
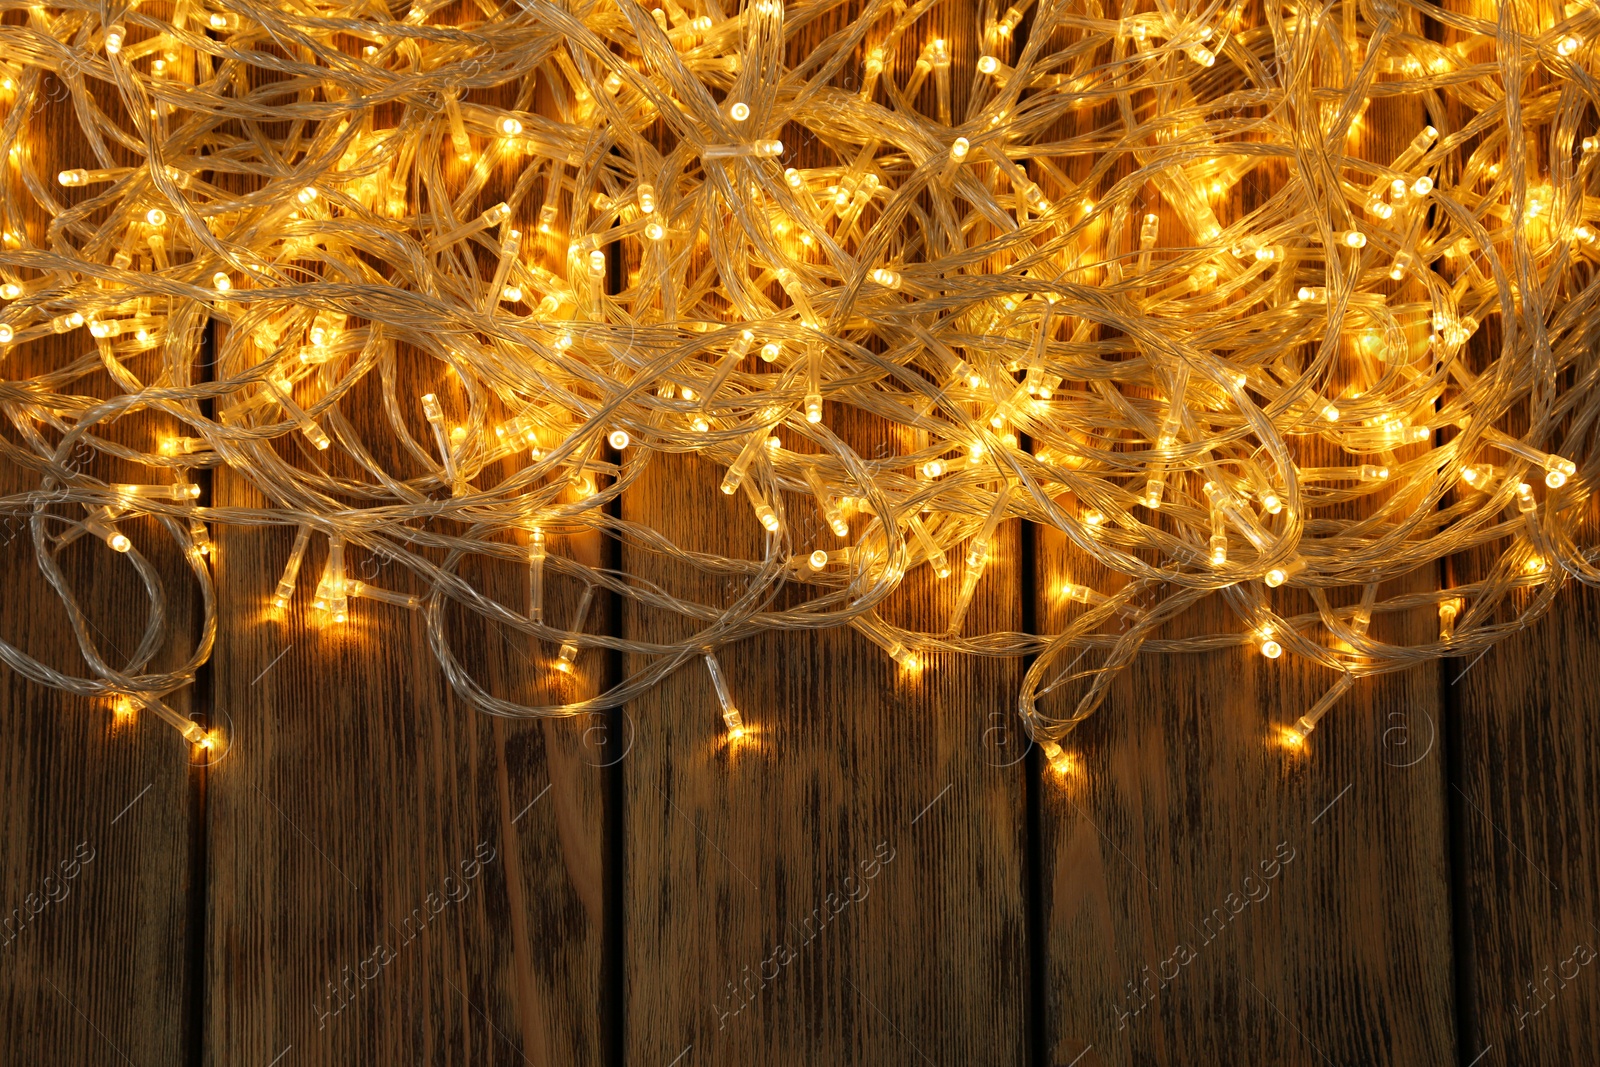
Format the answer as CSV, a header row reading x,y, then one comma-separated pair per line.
x,y
1524,750
761,926
1208,895
365,796
95,836
848,884
361,790
1527,763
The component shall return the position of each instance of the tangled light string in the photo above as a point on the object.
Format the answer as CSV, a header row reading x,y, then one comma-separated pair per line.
x,y
1134,275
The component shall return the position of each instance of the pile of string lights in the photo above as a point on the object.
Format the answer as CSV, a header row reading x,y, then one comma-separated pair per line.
x,y
1164,280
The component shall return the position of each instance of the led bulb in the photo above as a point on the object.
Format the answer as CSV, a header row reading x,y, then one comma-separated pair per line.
x,y
739,111
1059,761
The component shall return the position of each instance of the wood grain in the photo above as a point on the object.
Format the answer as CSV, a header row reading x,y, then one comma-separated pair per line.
x,y
340,826
848,886
1529,770
95,834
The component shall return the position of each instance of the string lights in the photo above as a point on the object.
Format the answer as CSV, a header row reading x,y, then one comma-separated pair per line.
x,y
1145,279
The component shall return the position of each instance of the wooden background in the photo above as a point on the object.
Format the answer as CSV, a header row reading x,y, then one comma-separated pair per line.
x,y
378,874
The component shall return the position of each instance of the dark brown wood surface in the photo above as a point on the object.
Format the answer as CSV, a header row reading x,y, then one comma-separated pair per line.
x,y
1443,873
97,813
1522,807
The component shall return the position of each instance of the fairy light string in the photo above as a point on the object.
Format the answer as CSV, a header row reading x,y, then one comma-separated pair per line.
x,y
1028,260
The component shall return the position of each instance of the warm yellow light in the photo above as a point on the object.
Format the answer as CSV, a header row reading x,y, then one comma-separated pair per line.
x,y
1225,397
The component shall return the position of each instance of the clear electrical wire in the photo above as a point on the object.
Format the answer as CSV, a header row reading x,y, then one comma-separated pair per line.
x,y
1142,280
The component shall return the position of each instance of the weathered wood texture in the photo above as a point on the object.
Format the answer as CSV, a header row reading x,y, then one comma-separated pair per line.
x,y
848,884
1529,852
369,815
95,813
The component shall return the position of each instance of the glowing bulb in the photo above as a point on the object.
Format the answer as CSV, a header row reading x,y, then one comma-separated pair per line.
x,y
959,149
618,439
1271,649
1059,761
739,111
7,334
817,560
221,282
156,217
510,126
